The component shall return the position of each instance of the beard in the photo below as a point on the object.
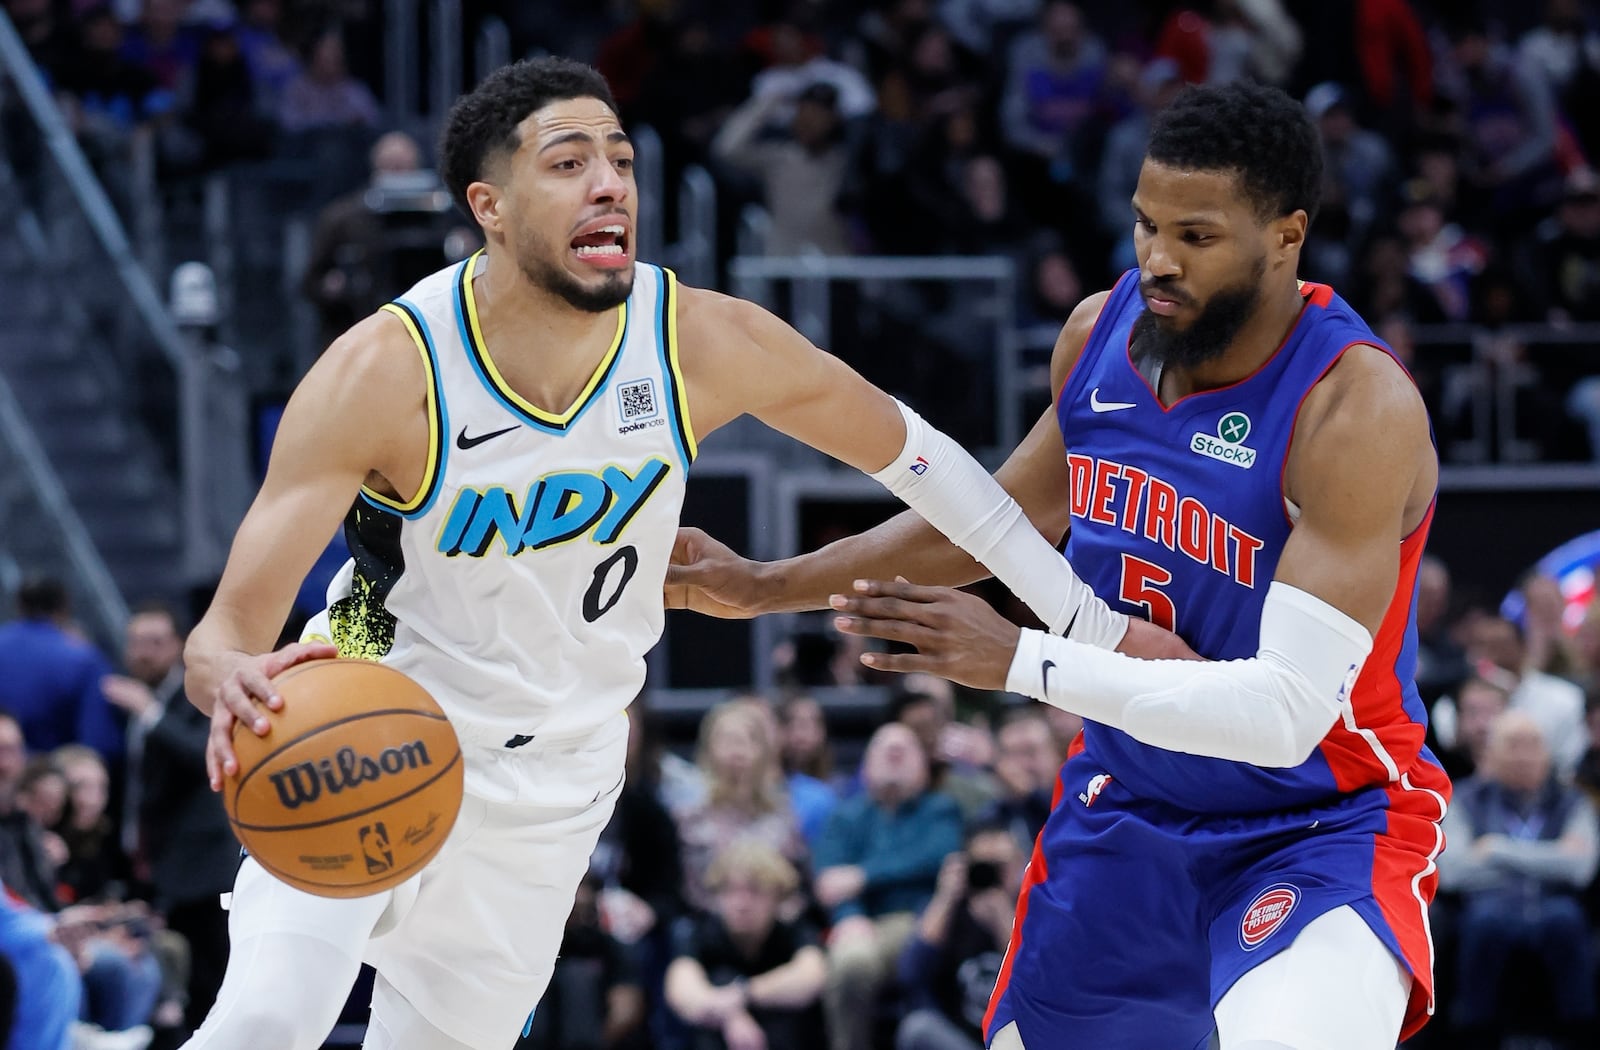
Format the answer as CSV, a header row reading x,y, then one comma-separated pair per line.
x,y
612,291
1209,335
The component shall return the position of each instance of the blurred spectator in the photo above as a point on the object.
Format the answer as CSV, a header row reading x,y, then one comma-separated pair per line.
x,y
982,24
1523,847
348,272
50,677
26,868
741,977
94,857
272,63
636,51
48,989
42,793
745,797
1053,79
1562,47
1509,119
1027,765
688,95
48,37
1053,287
1588,774
951,964
877,866
807,763
1478,703
1440,661
180,832
1379,49
325,95
1123,156
794,60
958,754
113,95
161,44
221,105
639,856
1555,705
1441,256
1358,175
596,999
1561,258
1551,646
1229,39
801,171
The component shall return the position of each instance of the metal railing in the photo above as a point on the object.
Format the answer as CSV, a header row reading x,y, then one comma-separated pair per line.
x,y
492,48
105,603
696,251
811,306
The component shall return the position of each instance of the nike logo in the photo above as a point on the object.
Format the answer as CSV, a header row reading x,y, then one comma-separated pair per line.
x,y
1107,406
463,442
1044,675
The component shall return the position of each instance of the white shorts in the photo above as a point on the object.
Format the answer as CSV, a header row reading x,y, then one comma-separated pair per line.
x,y
471,939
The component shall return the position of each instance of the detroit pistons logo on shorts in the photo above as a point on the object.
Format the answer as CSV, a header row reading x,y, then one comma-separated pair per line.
x,y
1264,915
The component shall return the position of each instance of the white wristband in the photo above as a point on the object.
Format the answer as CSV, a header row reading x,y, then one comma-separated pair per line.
x,y
940,481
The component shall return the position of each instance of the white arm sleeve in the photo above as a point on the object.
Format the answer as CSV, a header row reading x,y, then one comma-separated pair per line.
x,y
1272,709
939,480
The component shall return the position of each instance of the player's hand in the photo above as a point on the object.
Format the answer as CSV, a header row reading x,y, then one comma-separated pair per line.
x,y
246,695
952,877
840,883
130,694
741,1032
706,576
956,635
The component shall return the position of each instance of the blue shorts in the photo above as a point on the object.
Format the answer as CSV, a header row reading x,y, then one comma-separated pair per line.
x,y
1136,917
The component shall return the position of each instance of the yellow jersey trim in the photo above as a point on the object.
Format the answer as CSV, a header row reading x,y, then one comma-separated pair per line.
x,y
430,473
681,389
480,350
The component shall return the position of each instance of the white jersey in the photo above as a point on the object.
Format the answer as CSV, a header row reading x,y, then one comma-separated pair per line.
x,y
521,586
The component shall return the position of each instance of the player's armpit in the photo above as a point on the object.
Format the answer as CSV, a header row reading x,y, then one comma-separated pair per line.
x,y
1362,470
359,410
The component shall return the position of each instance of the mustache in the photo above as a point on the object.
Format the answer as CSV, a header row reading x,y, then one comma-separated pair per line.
x,y
1163,288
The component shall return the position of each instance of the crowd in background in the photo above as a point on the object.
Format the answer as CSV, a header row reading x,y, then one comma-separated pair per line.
x,y
775,886
1461,140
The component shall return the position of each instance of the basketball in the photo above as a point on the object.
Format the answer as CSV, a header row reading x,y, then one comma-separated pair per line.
x,y
356,785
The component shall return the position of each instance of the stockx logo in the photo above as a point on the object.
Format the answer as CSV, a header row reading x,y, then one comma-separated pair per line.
x,y
1227,445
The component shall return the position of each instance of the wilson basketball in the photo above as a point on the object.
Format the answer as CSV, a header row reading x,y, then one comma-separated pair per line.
x,y
356,785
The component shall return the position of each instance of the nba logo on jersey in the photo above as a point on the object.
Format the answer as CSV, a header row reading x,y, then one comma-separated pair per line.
x,y
1262,916
1097,784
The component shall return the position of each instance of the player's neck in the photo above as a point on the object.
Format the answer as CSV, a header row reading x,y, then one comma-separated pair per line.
x,y
515,315
1252,347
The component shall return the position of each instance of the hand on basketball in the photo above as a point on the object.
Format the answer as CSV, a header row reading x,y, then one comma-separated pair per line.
x,y
706,576
245,695
956,635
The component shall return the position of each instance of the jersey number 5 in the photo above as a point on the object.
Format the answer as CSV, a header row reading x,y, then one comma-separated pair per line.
x,y
1140,580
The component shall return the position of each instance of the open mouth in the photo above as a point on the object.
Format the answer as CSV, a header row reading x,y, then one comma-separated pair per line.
x,y
607,243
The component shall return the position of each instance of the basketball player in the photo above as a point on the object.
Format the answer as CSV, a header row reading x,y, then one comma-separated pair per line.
x,y
1248,842
513,433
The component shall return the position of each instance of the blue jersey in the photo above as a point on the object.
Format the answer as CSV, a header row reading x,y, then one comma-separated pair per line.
x,y
1179,515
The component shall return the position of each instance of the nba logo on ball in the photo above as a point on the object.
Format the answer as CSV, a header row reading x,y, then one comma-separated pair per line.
x,y
356,785
375,848
1262,916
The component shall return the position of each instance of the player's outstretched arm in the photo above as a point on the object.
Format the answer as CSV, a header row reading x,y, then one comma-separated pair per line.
x,y
1363,472
341,423
740,351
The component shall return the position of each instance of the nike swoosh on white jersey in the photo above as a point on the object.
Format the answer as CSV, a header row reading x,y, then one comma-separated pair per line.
x,y
1107,406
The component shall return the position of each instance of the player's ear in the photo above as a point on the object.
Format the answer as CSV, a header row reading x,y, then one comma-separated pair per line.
x,y
1289,233
484,199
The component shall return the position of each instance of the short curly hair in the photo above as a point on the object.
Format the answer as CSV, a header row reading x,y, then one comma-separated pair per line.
x,y
484,121
1259,133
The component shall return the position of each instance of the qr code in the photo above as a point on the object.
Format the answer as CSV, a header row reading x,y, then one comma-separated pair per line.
x,y
638,399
